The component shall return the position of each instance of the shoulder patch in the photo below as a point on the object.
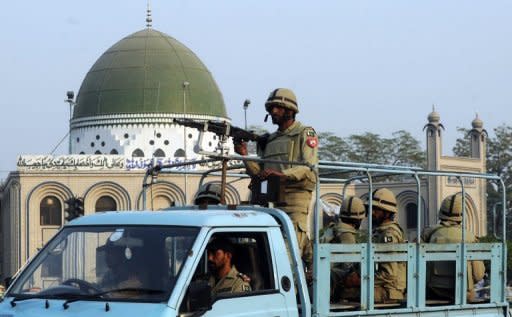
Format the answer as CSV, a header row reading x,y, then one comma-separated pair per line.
x,y
311,137
312,141
388,239
246,288
310,132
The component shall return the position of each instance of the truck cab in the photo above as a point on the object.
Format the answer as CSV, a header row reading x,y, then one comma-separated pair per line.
x,y
135,263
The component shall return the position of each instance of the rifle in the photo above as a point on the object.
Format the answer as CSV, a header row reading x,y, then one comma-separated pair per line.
x,y
223,129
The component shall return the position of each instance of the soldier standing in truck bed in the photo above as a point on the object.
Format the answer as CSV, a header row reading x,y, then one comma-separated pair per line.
x,y
291,142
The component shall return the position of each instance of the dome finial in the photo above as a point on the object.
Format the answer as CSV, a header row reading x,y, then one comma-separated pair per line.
x,y
148,15
434,117
477,123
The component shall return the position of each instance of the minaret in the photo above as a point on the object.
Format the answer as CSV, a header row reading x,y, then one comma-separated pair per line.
x,y
478,144
478,140
434,151
434,140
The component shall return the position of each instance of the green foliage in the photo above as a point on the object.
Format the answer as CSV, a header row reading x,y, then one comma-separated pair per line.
x,y
401,149
406,150
332,147
462,146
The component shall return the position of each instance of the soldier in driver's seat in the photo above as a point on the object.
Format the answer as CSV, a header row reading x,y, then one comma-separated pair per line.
x,y
121,273
224,278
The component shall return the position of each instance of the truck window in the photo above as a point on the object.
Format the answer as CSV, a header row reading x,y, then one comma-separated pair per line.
x,y
251,272
137,263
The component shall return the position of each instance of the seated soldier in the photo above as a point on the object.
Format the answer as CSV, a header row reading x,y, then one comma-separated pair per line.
x,y
121,270
390,277
345,278
224,276
441,274
208,194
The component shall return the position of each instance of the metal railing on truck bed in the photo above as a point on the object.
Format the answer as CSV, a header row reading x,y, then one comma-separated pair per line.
x,y
416,255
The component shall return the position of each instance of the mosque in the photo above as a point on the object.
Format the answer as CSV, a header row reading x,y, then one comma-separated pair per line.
x,y
122,121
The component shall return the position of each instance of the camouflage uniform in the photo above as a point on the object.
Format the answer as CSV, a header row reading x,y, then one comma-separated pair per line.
x,y
297,143
346,234
231,283
390,277
441,274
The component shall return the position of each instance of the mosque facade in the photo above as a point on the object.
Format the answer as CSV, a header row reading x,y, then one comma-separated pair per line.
x,y
122,122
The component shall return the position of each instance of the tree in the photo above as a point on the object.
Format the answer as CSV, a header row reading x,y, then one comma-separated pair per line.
x,y
406,150
462,146
332,147
368,147
401,149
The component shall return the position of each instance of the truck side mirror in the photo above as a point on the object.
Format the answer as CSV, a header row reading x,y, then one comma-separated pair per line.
x,y
200,296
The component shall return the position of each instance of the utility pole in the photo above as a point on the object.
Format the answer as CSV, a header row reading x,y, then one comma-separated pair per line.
x,y
71,95
247,102
185,86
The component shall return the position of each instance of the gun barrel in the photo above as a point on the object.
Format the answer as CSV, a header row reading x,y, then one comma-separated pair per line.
x,y
220,128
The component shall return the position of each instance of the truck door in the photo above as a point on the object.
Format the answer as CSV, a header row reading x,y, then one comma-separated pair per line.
x,y
254,291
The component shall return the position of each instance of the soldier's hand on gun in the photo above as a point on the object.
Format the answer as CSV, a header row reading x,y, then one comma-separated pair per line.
x,y
268,172
241,148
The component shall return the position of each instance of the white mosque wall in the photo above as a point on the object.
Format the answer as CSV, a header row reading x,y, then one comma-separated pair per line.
x,y
147,140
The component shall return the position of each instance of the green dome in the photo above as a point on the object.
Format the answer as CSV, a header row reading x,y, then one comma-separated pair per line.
x,y
145,73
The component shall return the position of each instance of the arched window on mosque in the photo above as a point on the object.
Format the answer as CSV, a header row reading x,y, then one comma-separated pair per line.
x,y
411,210
161,202
50,211
159,153
98,152
113,152
179,153
105,203
138,153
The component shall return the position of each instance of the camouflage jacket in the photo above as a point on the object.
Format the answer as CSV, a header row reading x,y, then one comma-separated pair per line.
x,y
233,282
390,275
297,143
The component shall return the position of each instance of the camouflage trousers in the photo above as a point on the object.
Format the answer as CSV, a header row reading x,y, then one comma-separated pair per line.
x,y
387,295
297,208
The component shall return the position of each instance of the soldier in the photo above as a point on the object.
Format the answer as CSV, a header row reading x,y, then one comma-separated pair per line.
x,y
122,272
225,277
208,194
441,274
291,142
345,277
390,277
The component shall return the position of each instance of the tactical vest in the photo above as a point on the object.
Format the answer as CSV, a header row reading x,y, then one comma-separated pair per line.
x,y
287,147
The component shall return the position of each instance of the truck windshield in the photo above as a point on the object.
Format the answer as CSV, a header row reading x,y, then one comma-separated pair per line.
x,y
109,262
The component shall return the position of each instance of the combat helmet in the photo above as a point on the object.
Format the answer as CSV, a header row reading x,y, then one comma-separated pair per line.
x,y
384,199
283,97
352,208
210,192
451,208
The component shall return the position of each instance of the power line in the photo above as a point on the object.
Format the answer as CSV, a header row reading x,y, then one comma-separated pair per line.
x,y
60,142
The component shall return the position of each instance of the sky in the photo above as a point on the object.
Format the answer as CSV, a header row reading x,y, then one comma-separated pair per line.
x,y
355,66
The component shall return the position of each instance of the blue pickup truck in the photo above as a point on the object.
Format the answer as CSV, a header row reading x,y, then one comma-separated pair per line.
x,y
161,259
